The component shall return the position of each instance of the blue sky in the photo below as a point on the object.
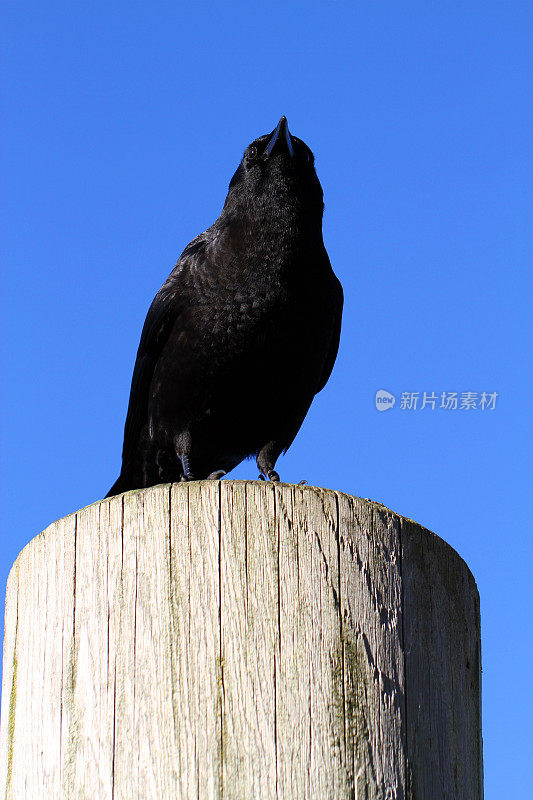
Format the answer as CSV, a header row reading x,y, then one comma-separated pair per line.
x,y
123,123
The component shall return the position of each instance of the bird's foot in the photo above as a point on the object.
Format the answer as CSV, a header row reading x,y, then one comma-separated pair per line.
x,y
216,475
271,475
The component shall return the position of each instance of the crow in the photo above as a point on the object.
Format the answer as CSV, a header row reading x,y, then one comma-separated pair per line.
x,y
243,333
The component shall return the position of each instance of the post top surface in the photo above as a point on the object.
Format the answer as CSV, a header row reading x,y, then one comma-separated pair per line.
x,y
280,488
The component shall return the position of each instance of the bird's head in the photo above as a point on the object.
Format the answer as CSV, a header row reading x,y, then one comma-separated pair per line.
x,y
277,173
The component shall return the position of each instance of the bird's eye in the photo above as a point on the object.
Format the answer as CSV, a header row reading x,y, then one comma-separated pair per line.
x,y
252,153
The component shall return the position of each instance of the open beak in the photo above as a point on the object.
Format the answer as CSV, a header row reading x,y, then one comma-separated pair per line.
x,y
280,138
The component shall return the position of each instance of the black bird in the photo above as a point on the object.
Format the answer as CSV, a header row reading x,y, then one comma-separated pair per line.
x,y
242,334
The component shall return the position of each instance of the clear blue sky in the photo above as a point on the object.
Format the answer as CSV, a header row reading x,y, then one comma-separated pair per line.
x,y
123,123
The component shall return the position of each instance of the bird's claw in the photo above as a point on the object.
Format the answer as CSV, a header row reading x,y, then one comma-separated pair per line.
x,y
271,475
216,475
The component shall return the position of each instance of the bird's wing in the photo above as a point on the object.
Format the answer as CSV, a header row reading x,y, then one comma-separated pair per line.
x,y
335,336
165,311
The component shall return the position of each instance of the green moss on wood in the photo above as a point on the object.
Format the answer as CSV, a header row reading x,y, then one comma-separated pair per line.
x,y
221,718
70,714
351,731
11,718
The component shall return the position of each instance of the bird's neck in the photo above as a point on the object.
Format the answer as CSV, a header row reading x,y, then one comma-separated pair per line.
x,y
283,227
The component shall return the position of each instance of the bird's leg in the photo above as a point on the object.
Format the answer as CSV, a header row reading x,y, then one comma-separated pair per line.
x,y
266,460
187,474
183,446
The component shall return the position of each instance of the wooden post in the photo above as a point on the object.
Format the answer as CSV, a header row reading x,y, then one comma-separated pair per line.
x,y
240,640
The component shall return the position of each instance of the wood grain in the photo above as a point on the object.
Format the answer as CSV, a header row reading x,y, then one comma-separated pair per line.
x,y
240,640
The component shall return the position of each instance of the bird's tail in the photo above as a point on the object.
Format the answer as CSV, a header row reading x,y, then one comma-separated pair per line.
x,y
122,484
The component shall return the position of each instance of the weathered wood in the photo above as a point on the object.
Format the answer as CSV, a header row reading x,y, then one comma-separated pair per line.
x,y
240,640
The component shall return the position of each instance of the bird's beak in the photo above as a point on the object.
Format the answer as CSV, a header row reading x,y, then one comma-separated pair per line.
x,y
280,137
